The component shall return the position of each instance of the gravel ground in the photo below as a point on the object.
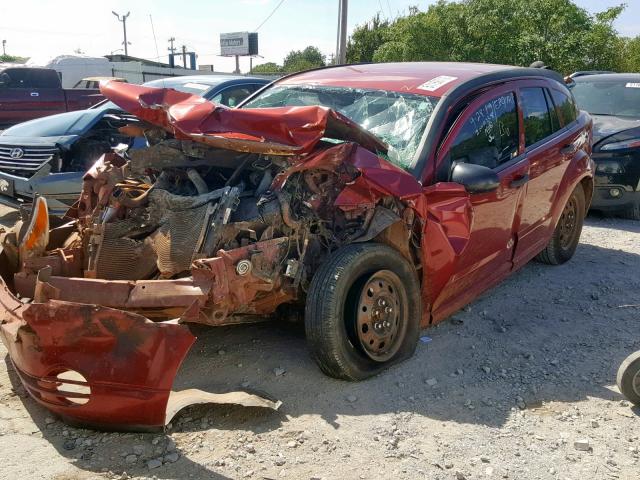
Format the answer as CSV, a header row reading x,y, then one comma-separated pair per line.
x,y
519,385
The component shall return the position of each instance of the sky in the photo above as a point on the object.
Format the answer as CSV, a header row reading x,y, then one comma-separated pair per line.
x,y
43,29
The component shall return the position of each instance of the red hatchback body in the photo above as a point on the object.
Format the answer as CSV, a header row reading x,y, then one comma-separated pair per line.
x,y
378,198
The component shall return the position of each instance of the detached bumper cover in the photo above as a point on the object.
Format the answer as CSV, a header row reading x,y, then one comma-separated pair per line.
x,y
91,364
102,367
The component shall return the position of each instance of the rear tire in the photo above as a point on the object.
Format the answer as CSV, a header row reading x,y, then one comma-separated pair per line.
x,y
363,311
628,378
562,244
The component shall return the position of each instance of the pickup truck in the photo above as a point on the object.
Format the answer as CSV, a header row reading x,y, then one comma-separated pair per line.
x,y
27,93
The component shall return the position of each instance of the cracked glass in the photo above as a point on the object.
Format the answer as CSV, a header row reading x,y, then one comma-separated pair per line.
x,y
398,119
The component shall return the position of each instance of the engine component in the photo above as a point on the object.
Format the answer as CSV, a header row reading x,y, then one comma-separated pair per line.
x,y
243,267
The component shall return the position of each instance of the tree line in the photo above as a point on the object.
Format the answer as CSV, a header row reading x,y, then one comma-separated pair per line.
x,y
563,35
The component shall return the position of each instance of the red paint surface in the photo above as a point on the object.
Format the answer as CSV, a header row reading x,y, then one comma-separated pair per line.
x,y
129,362
405,77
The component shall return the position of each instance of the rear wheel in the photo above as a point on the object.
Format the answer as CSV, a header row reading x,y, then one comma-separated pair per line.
x,y
363,311
628,378
562,244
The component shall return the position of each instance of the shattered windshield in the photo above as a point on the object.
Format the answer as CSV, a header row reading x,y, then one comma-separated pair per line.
x,y
398,119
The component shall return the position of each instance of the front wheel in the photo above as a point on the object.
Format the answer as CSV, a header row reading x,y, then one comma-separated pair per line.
x,y
564,240
363,311
628,378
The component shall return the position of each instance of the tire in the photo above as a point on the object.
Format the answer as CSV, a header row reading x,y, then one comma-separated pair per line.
x,y
362,278
628,378
632,213
564,240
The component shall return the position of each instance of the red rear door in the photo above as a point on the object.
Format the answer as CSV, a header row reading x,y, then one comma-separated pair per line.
x,y
549,149
488,132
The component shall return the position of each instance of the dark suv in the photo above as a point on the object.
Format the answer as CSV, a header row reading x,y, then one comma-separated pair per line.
x,y
613,100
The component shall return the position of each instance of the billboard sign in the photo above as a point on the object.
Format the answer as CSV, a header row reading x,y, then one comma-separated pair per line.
x,y
239,43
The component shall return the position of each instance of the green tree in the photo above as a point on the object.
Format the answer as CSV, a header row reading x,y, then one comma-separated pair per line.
x,y
13,59
518,32
366,39
269,67
631,54
298,60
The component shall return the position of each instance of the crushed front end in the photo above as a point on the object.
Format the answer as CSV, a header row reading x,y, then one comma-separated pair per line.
x,y
206,225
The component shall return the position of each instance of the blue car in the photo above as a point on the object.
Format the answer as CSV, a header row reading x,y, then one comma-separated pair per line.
x,y
48,156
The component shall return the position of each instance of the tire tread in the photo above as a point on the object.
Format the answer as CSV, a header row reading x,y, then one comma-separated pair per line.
x,y
321,324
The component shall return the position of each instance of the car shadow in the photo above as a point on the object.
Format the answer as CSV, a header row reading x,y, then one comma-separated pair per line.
x,y
9,218
598,219
86,448
505,352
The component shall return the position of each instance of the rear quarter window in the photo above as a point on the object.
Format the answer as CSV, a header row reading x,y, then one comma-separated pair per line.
x,y
566,106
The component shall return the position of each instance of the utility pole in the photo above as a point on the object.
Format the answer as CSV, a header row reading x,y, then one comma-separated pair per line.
x,y
124,27
184,56
172,49
341,43
4,43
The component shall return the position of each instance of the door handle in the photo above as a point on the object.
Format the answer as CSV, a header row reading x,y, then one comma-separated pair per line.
x,y
568,149
518,182
35,94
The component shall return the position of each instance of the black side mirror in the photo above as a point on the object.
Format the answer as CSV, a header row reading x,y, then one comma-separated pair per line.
x,y
475,178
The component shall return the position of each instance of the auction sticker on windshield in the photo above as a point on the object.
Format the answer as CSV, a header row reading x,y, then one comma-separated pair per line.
x,y
435,83
632,85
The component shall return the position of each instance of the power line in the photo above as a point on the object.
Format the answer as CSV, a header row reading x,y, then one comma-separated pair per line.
x,y
270,15
153,30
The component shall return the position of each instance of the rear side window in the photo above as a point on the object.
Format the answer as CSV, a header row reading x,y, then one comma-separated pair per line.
x,y
537,121
566,106
490,136
555,119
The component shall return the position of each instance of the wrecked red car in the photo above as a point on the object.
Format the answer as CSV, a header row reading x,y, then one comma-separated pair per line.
x,y
378,198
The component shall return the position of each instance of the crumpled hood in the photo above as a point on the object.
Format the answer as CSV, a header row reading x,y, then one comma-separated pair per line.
x,y
606,125
280,131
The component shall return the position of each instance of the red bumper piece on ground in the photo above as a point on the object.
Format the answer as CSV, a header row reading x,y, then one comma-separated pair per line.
x,y
94,365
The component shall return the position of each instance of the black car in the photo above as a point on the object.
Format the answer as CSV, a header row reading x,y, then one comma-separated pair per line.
x,y
613,100
48,156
